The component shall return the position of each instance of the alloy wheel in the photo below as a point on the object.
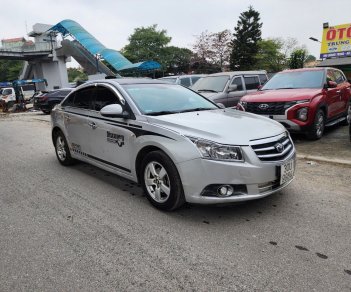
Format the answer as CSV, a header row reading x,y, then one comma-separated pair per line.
x,y
157,182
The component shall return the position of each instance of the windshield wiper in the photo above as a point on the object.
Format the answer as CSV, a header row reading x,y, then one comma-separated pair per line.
x,y
197,109
160,113
207,90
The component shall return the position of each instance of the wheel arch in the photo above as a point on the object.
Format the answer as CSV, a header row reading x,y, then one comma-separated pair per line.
x,y
54,131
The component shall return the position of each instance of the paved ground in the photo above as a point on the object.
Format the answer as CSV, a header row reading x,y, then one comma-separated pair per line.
x,y
81,228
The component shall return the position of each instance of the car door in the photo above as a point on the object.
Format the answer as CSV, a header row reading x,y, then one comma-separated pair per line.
x,y
252,83
344,87
109,137
235,96
76,112
333,95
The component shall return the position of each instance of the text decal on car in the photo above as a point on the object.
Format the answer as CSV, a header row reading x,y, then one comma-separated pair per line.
x,y
115,138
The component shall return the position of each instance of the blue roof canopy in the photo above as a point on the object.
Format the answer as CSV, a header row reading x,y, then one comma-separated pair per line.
x,y
92,45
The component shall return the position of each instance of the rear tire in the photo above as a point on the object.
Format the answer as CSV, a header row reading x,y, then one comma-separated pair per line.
x,y
317,129
161,182
62,151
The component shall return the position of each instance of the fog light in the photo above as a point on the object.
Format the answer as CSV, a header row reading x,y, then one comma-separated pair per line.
x,y
302,114
225,191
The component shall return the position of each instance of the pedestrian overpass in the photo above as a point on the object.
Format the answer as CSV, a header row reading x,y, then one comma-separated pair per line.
x,y
54,46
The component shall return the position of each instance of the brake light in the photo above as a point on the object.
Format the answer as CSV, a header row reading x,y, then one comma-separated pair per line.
x,y
5,96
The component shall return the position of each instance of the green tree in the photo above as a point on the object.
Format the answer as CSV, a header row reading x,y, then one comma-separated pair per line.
x,y
297,59
10,70
176,60
244,45
76,74
270,56
146,43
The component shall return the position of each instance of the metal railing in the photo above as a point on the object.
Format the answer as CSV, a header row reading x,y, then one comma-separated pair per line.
x,y
36,47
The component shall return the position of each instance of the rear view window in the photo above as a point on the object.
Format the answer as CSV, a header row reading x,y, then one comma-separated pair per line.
x,y
251,82
185,82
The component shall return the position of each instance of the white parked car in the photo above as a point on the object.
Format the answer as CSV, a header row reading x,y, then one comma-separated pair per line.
x,y
185,80
178,145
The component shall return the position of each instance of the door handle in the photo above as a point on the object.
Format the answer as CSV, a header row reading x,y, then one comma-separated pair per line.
x,y
338,91
92,125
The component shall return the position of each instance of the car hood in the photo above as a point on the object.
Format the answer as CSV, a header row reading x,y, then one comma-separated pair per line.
x,y
223,126
282,95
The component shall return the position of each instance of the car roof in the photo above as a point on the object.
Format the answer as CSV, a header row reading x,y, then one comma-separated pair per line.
x,y
182,76
305,69
124,81
234,73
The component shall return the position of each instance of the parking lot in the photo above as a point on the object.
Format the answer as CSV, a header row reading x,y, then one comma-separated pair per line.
x,y
81,228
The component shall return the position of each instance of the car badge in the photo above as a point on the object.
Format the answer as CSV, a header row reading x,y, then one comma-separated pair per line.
x,y
263,106
279,147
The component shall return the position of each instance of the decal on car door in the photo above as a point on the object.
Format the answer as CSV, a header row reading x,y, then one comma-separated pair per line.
x,y
115,138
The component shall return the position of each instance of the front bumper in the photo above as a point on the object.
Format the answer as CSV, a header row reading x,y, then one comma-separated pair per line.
x,y
260,179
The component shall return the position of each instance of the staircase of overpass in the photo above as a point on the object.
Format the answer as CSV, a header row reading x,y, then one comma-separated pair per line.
x,y
47,57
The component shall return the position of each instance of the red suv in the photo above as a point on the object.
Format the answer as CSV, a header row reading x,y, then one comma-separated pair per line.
x,y
303,100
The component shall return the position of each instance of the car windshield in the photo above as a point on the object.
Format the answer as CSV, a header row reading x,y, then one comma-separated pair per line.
x,y
6,91
297,79
211,83
159,99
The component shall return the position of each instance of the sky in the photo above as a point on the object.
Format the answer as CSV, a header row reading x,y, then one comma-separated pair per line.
x,y
113,21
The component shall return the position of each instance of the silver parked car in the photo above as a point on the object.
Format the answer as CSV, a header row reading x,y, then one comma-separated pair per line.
x,y
177,144
228,88
185,80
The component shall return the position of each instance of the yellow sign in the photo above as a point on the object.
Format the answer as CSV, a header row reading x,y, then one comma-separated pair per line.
x,y
336,41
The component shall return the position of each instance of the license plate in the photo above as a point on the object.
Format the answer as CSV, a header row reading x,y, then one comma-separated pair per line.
x,y
287,171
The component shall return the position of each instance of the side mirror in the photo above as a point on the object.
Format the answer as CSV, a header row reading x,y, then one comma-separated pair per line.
x,y
259,87
114,111
221,105
232,87
331,84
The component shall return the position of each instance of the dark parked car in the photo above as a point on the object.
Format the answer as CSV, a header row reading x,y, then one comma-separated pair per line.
x,y
48,100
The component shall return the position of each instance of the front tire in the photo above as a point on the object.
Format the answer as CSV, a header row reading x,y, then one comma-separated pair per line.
x,y
317,129
62,151
161,182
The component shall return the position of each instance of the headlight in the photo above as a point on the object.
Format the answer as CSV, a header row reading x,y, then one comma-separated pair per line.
x,y
212,150
302,114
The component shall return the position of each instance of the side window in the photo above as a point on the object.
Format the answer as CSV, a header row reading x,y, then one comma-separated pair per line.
x,y
331,76
251,82
69,101
82,98
185,81
339,77
263,78
238,82
102,97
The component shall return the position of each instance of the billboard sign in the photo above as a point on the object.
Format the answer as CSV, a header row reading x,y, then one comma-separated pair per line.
x,y
336,41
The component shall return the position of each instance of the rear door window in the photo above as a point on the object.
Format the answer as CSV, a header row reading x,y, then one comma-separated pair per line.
x,y
80,99
251,82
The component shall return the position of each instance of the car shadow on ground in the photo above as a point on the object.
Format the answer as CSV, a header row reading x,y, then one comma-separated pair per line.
x,y
205,214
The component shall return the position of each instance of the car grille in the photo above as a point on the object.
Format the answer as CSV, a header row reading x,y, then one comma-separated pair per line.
x,y
273,149
268,108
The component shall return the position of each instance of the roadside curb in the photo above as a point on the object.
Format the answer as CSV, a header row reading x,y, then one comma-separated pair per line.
x,y
324,159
